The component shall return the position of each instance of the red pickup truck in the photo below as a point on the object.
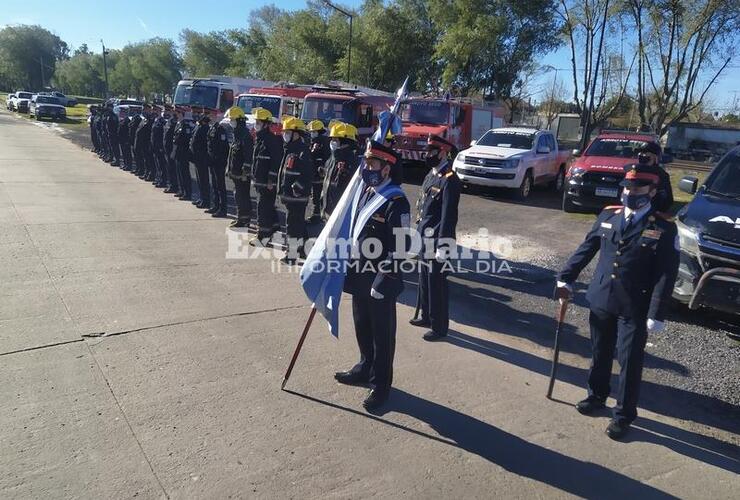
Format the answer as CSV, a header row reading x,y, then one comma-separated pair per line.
x,y
592,181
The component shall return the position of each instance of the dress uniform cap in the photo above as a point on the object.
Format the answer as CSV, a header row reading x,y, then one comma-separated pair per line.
x,y
381,152
639,174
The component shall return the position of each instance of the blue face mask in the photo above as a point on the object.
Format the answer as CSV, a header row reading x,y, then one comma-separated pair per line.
x,y
372,177
635,201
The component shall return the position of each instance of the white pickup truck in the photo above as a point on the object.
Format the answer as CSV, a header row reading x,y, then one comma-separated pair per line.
x,y
513,157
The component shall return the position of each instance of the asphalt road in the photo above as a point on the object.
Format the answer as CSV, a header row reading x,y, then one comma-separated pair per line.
x,y
138,361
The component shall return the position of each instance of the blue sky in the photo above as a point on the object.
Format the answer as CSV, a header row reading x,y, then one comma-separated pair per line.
x,y
124,21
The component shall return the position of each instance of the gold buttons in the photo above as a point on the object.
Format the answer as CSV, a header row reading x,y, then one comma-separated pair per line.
x,y
614,276
616,264
619,253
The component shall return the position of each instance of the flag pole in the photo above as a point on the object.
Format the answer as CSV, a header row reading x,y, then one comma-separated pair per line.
x,y
299,346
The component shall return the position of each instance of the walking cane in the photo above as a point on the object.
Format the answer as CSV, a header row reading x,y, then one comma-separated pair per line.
x,y
556,348
299,346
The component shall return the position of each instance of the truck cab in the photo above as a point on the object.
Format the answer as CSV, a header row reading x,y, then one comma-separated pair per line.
x,y
592,181
456,120
280,101
516,158
709,234
217,93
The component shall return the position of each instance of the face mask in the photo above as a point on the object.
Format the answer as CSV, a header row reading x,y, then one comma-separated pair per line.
x,y
258,126
334,145
432,160
635,201
372,177
287,136
314,135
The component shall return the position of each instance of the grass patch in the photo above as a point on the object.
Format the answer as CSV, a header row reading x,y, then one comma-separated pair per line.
x,y
680,199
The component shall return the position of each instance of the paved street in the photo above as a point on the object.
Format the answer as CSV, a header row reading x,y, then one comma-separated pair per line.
x,y
137,361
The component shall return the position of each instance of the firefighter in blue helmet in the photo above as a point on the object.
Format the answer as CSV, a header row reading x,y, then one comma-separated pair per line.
x,y
629,292
436,223
374,279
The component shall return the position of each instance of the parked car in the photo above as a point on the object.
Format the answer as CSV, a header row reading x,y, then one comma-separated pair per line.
x,y
709,234
46,106
513,157
22,101
63,99
593,178
8,101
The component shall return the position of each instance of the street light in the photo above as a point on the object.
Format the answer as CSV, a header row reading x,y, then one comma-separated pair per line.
x,y
349,55
105,68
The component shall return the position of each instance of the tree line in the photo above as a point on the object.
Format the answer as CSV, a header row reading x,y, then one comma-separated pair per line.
x,y
657,58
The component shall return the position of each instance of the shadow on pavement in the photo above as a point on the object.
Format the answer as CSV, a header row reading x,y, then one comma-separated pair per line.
x,y
508,451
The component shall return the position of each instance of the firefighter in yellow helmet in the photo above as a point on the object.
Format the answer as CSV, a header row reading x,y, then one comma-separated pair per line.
x,y
265,165
340,166
320,153
241,151
294,186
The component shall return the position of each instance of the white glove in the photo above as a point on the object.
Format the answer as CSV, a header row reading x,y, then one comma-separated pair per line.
x,y
567,286
376,294
655,326
439,255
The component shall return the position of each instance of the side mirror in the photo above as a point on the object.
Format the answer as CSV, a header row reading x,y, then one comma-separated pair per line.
x,y
576,153
688,184
473,143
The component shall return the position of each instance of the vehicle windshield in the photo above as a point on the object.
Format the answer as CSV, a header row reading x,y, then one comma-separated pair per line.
x,y
198,95
428,112
726,177
249,102
512,140
23,95
45,99
328,109
616,148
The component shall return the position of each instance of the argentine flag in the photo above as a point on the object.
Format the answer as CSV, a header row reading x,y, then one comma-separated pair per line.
x,y
323,272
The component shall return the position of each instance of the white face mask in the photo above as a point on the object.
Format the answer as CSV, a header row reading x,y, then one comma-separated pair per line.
x,y
258,126
333,145
314,135
287,136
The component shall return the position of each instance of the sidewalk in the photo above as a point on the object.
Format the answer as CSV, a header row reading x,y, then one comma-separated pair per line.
x,y
180,395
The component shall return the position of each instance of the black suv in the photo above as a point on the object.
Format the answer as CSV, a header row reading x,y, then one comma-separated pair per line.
x,y
709,232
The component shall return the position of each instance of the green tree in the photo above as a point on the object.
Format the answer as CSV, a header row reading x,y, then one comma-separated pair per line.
x,y
82,74
28,56
140,69
206,53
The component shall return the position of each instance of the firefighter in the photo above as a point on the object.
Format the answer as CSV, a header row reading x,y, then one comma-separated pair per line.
x,y
181,154
340,166
241,151
142,144
91,123
123,138
436,222
133,126
199,153
157,141
629,293
169,143
374,280
649,154
294,185
320,153
218,154
111,126
265,165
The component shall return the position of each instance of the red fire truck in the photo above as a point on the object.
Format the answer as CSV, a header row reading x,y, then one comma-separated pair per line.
x,y
281,100
348,105
457,120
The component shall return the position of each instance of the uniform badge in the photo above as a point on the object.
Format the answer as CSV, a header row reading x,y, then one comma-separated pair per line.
x,y
653,234
290,162
606,225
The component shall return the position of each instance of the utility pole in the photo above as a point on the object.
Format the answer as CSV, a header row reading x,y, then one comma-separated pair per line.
x,y
349,53
105,67
41,61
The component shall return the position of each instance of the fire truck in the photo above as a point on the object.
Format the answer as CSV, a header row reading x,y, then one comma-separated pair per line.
x,y
459,121
353,106
281,100
213,92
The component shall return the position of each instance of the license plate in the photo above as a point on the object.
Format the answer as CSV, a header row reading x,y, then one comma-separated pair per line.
x,y
478,170
606,192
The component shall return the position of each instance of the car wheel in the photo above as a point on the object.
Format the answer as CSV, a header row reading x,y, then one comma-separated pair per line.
x,y
568,205
526,188
559,181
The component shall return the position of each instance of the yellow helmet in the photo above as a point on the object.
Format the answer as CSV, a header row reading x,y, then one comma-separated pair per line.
x,y
351,132
389,136
293,123
235,113
315,126
338,130
262,114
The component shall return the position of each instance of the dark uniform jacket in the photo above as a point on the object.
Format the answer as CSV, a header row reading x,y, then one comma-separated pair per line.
x,y
337,174
132,128
181,140
241,152
123,131
636,270
111,123
663,200
366,274
199,143
268,153
218,142
320,152
158,134
169,136
143,139
437,204
296,173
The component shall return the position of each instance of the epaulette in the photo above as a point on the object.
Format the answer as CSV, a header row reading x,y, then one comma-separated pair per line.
x,y
613,207
451,172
